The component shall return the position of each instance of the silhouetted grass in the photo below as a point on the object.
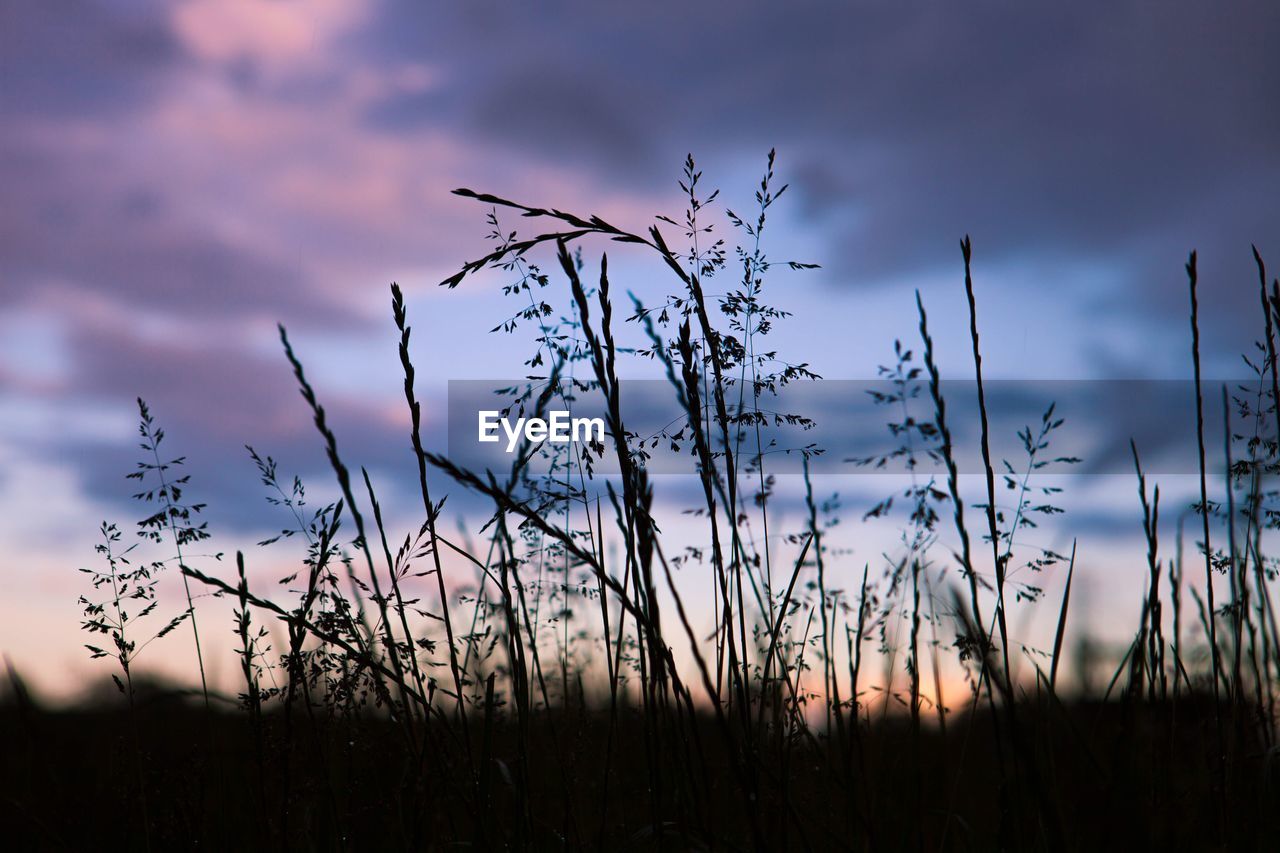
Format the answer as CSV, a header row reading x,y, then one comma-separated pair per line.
x,y
542,680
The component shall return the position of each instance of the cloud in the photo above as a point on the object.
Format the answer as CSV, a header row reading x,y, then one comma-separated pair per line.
x,y
1125,136
180,176
271,32
83,58
212,399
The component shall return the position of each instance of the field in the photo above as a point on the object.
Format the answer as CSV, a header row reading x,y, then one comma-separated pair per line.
x,y
541,677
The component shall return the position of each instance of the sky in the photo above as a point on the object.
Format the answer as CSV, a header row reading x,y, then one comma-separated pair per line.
x,y
179,177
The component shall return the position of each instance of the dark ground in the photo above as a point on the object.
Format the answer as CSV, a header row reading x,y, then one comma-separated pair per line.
x,y
1088,777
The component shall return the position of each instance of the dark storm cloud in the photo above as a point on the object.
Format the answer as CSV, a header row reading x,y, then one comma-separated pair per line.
x,y
574,121
1122,134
